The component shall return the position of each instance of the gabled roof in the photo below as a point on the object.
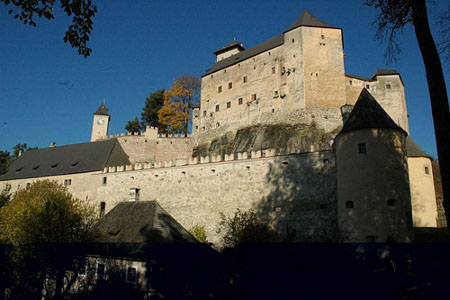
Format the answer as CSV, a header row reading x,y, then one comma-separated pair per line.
x,y
102,110
368,114
246,54
358,77
413,150
306,19
385,72
68,159
143,222
228,46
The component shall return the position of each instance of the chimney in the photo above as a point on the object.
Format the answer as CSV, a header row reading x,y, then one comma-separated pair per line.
x,y
20,153
52,144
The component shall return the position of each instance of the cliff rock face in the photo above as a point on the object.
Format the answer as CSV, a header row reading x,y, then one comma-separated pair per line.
x,y
280,136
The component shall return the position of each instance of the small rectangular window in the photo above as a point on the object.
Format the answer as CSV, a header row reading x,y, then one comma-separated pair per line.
x,y
217,107
350,82
230,85
67,182
349,204
367,86
273,70
131,274
427,170
293,40
101,269
104,180
102,208
204,113
240,101
217,124
219,89
82,268
253,97
28,185
391,202
388,86
322,36
228,104
244,79
362,148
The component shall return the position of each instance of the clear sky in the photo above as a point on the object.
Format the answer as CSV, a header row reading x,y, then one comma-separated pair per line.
x,y
139,46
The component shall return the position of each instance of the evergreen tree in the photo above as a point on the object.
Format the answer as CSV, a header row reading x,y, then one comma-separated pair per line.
x,y
134,126
153,103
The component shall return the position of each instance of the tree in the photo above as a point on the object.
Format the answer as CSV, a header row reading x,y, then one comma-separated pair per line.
x,y
38,223
153,103
134,126
245,227
78,32
395,15
5,161
5,195
199,233
20,148
178,102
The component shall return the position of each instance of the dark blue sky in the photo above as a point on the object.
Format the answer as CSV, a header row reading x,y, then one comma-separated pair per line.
x,y
141,45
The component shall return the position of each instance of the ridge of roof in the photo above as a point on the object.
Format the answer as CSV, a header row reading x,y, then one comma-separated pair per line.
x,y
363,78
246,54
414,150
66,159
368,114
228,46
307,19
102,110
381,72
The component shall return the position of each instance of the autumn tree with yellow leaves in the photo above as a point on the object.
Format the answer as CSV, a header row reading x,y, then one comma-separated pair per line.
x,y
174,116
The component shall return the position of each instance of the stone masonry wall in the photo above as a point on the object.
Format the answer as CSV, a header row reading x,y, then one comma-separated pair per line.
x,y
298,190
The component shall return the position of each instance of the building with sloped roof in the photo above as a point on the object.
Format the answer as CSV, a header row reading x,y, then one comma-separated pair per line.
x,y
280,129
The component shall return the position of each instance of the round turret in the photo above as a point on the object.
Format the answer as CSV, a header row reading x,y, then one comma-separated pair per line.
x,y
374,202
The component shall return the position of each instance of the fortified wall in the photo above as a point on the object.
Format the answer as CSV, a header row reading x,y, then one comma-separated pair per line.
x,y
297,189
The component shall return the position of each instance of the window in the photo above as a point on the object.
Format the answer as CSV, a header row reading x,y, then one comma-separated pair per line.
x,y
244,79
102,208
204,113
322,206
427,171
240,101
217,107
275,94
367,86
82,269
131,275
133,194
362,149
228,104
217,124
322,36
391,202
388,86
350,82
230,85
28,185
219,89
273,70
253,97
196,127
101,268
293,40
104,179
67,182
349,204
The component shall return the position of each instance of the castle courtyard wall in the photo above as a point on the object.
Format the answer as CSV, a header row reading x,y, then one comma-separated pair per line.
x,y
298,190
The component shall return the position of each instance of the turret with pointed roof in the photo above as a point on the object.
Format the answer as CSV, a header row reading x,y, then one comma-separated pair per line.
x,y
307,19
102,110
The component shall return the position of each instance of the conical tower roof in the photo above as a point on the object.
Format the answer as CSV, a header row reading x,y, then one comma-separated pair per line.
x,y
307,19
368,114
102,110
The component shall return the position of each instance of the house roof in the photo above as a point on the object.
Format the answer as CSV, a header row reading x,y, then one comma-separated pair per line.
x,y
413,150
143,222
102,110
228,46
68,159
306,19
359,77
368,114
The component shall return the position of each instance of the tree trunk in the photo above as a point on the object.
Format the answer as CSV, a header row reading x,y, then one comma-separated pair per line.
x,y
438,95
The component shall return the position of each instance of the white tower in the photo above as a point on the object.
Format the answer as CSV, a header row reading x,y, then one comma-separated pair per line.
x,y
101,123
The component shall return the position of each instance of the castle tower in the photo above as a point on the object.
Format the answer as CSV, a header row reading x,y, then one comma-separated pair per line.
x,y
228,50
321,49
374,202
101,123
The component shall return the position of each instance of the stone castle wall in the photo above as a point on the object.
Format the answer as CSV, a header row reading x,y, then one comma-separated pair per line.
x,y
298,190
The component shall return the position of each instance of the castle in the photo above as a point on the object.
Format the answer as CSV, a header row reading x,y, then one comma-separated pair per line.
x,y
280,129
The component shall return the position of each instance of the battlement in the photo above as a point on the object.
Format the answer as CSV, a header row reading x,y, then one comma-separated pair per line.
x,y
150,132
233,157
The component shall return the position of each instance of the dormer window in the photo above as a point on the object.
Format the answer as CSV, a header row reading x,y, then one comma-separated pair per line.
x,y
36,167
54,165
74,163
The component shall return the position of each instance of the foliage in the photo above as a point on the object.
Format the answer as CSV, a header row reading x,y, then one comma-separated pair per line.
x,y
199,233
81,11
134,126
5,161
5,195
245,227
153,103
393,17
17,149
41,224
178,101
